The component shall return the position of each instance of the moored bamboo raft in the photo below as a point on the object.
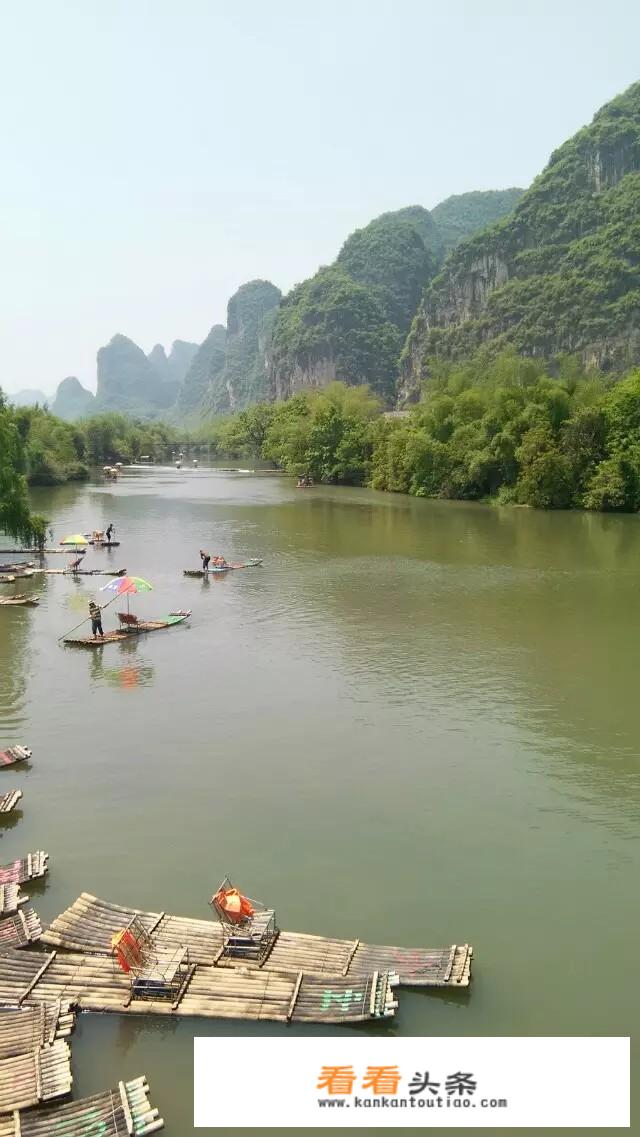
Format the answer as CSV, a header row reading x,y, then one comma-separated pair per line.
x,y
95,983
10,800
122,1112
85,572
39,1075
20,930
89,924
21,599
24,1029
24,868
11,898
14,754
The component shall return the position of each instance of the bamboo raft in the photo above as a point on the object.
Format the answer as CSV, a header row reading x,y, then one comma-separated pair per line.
x,y
126,633
9,801
20,599
11,898
85,572
96,983
24,1029
221,568
14,754
123,1112
89,923
20,930
31,1078
24,868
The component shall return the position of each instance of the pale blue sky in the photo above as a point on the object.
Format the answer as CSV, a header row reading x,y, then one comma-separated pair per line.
x,y
157,154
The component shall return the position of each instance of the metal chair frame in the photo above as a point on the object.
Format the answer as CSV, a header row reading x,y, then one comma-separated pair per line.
x,y
160,974
250,938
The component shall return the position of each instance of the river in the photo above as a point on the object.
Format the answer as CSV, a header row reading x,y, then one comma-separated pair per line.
x,y
417,723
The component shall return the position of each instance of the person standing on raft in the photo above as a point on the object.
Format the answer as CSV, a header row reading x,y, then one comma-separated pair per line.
x,y
96,619
205,558
110,532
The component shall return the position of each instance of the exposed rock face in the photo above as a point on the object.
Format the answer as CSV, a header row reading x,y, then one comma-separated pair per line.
x,y
561,274
207,363
312,376
243,379
229,369
348,321
128,382
72,400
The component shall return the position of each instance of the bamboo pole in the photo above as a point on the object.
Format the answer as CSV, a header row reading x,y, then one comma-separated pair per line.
x,y
102,608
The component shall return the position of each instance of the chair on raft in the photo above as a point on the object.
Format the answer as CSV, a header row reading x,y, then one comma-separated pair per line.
x,y
249,929
154,973
128,619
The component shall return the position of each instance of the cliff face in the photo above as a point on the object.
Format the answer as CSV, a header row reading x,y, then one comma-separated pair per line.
x,y
349,321
328,328
206,364
561,274
72,400
243,378
229,369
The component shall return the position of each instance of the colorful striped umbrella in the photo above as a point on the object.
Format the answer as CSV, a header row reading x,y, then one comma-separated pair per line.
x,y
127,586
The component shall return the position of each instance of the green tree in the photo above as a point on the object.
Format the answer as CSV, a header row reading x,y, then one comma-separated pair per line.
x,y
16,519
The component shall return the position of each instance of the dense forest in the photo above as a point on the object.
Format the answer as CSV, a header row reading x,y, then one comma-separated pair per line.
x,y
495,428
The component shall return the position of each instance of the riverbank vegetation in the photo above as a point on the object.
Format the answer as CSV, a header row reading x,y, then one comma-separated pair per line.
x,y
499,430
493,429
16,519
55,451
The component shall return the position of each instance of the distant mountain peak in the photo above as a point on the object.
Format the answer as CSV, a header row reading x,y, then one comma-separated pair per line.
x,y
72,400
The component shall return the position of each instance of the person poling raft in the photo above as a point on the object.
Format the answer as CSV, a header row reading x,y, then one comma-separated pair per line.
x,y
95,613
219,564
130,624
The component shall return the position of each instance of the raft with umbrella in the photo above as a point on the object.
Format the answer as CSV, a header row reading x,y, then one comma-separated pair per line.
x,y
141,627
130,624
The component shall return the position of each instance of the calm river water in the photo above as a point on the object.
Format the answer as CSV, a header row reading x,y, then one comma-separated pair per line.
x,y
417,724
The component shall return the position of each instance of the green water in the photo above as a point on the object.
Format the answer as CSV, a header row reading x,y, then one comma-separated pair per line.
x,y
417,723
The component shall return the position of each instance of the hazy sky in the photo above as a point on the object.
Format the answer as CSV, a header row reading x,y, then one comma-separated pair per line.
x,y
156,154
